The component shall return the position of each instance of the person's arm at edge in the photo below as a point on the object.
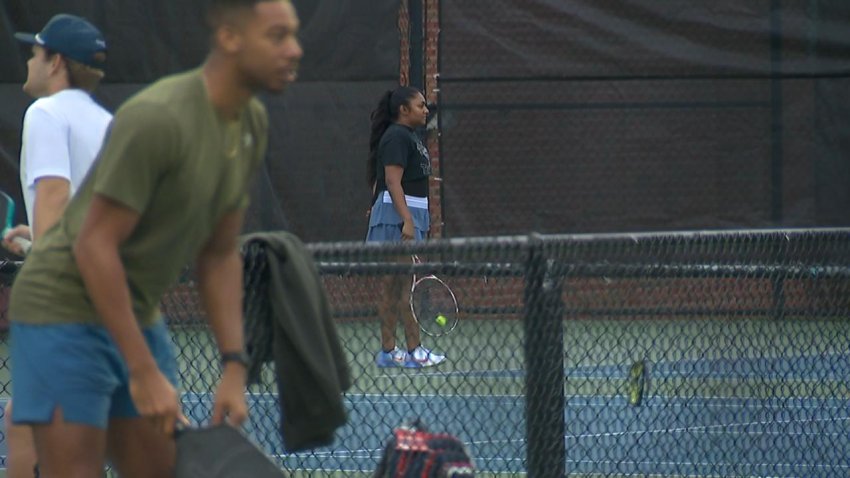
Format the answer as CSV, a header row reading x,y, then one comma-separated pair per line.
x,y
219,269
106,226
51,196
96,252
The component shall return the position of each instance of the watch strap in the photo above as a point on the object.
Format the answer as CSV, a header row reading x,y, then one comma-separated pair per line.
x,y
239,357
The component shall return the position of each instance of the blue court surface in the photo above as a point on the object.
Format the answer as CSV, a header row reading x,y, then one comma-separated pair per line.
x,y
604,435
694,436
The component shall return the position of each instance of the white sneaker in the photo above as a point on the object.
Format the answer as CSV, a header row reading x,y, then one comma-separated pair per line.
x,y
422,357
394,358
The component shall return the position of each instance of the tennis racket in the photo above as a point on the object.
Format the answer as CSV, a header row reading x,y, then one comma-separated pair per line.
x,y
433,304
220,452
7,209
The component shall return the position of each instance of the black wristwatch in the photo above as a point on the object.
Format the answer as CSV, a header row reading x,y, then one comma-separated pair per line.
x,y
239,357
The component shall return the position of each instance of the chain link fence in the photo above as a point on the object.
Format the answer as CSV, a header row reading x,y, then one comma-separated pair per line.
x,y
687,354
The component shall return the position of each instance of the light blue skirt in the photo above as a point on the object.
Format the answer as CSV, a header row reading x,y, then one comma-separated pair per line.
x,y
385,224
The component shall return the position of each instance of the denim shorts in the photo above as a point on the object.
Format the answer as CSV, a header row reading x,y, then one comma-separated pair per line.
x,y
78,368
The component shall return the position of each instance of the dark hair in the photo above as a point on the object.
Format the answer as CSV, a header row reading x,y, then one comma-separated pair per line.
x,y
382,117
217,9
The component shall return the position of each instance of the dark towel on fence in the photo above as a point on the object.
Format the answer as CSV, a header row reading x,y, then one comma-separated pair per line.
x,y
298,333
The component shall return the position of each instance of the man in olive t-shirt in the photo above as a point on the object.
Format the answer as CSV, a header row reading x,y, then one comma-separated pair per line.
x,y
94,371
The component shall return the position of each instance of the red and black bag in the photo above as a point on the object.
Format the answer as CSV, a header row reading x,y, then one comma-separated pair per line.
x,y
413,452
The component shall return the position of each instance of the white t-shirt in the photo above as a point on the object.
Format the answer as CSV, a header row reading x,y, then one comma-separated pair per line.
x,y
61,138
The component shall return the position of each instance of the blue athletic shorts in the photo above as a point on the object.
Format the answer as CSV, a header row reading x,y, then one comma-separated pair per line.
x,y
78,368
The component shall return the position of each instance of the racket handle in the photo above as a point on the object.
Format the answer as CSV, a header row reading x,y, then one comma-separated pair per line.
x,y
24,244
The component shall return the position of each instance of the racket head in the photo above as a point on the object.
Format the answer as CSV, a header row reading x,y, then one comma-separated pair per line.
x,y
433,305
218,452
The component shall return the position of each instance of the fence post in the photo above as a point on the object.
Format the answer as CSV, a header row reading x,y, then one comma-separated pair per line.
x,y
544,364
416,75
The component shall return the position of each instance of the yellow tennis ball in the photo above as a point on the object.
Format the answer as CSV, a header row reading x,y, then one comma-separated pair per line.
x,y
441,320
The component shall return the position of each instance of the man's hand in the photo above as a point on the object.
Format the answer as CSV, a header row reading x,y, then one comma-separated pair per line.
x,y
230,402
16,247
156,398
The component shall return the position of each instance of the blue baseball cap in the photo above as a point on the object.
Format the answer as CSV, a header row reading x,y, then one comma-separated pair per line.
x,y
72,36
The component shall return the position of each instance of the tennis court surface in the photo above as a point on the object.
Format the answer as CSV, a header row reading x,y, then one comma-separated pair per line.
x,y
775,409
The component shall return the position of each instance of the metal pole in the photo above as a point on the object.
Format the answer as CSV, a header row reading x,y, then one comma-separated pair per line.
x,y
544,362
417,51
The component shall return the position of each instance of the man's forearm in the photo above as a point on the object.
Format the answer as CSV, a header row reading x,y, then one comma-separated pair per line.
x,y
220,286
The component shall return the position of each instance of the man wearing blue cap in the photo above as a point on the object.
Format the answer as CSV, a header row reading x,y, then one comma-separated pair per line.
x,y
62,134
64,128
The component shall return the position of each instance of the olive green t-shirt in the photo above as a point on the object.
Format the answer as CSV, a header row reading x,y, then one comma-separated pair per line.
x,y
172,159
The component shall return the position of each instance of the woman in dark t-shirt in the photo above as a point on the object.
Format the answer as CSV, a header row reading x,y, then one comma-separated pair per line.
x,y
399,167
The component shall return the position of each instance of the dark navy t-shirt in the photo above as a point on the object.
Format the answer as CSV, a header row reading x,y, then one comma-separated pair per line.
x,y
400,146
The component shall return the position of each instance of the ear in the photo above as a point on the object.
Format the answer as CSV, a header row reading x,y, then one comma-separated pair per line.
x,y
229,38
57,63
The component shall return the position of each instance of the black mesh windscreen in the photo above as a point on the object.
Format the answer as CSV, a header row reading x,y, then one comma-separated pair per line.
x,y
630,115
314,180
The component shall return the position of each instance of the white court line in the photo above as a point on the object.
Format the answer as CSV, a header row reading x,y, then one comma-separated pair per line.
x,y
618,367
708,464
619,400
433,395
590,400
620,374
738,402
501,373
704,428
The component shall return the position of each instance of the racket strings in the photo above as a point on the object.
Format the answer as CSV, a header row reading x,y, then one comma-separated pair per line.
x,y
434,305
